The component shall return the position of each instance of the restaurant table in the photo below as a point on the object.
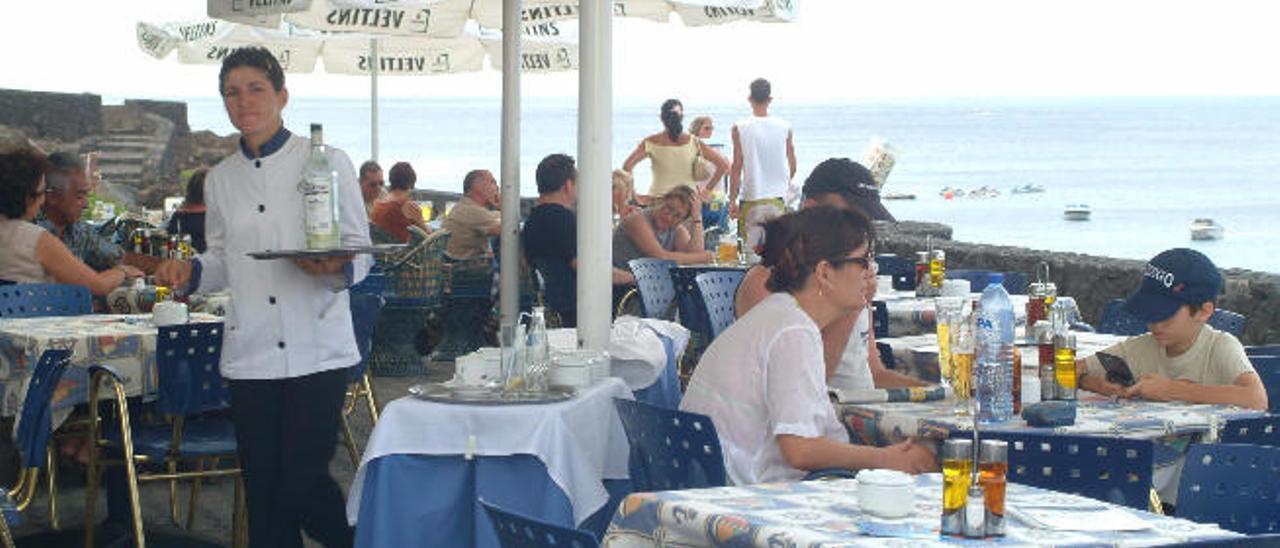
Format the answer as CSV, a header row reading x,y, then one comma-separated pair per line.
x,y
1173,426
124,342
917,355
826,513
427,463
133,300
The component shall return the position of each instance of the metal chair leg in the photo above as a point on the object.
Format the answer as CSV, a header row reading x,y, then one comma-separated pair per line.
x,y
195,494
370,398
51,465
239,520
95,472
1156,506
171,466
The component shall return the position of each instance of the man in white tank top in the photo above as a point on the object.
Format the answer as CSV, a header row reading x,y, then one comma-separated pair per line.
x,y
764,161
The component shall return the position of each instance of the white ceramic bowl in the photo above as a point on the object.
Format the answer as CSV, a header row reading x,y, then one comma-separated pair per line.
x,y
886,493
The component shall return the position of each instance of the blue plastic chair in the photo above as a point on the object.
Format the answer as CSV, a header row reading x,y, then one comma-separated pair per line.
x,y
1116,321
693,311
36,300
1252,431
901,270
519,531
1233,485
1226,320
880,319
1263,350
1116,470
653,284
1014,282
670,449
717,290
365,308
190,390
1268,368
35,427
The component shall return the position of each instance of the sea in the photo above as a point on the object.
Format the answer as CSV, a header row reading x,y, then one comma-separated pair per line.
x,y
1145,166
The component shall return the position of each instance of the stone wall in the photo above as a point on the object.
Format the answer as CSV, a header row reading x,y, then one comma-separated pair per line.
x,y
1092,280
60,116
174,111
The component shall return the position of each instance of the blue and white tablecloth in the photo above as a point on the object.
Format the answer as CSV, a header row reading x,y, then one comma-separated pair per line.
x,y
826,513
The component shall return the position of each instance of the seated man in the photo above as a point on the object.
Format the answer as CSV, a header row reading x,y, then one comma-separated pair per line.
x,y
550,236
476,218
849,346
372,186
1182,358
66,198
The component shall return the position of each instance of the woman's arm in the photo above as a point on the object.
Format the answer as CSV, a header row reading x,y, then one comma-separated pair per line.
x,y
638,230
882,376
636,156
722,165
65,268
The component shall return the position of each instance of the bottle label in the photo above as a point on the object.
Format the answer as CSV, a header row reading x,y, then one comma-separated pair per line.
x,y
318,203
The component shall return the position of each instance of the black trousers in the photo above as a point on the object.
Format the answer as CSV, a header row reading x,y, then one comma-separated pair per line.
x,y
287,431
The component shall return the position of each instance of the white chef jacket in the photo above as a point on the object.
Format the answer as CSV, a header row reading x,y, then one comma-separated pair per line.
x,y
282,322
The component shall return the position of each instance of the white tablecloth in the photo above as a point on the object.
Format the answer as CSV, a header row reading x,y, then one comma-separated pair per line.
x,y
580,441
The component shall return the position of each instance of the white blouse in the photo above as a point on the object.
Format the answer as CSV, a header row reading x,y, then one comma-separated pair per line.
x,y
854,370
282,322
763,377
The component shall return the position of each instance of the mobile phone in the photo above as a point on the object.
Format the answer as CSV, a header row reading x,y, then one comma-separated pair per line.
x,y
1118,371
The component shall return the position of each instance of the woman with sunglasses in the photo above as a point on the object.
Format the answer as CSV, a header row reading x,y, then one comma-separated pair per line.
x,y
763,381
32,254
659,231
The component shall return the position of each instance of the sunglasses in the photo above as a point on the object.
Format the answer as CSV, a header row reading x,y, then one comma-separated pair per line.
x,y
865,260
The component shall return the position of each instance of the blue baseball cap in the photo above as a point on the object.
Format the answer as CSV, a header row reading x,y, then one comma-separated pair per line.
x,y
1176,277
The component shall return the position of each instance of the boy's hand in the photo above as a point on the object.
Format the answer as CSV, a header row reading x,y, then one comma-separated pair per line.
x,y
1153,386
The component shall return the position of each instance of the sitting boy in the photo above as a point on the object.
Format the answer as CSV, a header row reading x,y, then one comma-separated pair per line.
x,y
1181,358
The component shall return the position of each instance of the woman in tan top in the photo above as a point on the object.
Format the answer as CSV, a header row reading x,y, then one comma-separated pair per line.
x,y
673,155
33,255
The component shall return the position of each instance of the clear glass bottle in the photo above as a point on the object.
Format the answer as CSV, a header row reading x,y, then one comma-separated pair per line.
x,y
538,352
320,196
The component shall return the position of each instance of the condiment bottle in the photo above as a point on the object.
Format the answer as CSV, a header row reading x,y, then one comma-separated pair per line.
x,y
937,269
957,467
922,273
993,466
1048,376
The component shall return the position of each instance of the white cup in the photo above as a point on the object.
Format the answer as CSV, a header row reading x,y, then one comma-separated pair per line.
x,y
886,493
473,370
169,313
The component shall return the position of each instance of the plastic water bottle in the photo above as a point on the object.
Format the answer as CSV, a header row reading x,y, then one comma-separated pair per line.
x,y
994,370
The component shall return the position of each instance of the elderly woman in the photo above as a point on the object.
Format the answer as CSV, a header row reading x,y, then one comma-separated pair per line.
x,y
624,195
289,344
32,254
659,232
763,381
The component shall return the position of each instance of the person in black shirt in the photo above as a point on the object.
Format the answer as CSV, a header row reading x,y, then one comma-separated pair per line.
x,y
550,237
189,219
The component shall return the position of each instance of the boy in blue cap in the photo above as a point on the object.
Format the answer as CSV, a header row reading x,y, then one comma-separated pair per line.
x,y
1181,358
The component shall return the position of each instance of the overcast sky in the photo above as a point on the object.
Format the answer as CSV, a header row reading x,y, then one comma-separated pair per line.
x,y
839,50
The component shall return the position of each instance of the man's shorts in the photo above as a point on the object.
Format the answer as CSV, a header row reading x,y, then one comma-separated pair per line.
x,y
768,209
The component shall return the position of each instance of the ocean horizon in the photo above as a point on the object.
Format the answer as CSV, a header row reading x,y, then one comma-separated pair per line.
x,y
1146,166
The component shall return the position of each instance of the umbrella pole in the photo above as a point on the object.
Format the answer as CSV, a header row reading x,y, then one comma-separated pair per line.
x,y
508,276
373,99
595,158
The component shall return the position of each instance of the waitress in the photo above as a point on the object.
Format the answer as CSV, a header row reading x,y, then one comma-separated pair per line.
x,y
288,343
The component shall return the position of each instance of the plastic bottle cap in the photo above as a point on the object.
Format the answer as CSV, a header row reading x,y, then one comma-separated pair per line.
x,y
995,278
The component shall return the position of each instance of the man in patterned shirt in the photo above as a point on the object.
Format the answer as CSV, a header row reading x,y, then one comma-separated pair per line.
x,y
66,198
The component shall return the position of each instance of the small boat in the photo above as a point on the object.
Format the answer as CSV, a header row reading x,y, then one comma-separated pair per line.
x,y
1206,229
1076,212
898,196
1027,189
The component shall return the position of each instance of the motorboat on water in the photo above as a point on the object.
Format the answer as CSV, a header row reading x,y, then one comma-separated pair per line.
x,y
1206,229
1027,189
1076,212
898,196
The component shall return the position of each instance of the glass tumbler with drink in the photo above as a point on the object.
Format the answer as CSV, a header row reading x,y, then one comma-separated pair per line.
x,y
946,317
963,353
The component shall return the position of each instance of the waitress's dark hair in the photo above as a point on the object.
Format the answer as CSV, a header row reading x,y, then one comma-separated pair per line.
x,y
672,120
256,57
795,243
20,172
